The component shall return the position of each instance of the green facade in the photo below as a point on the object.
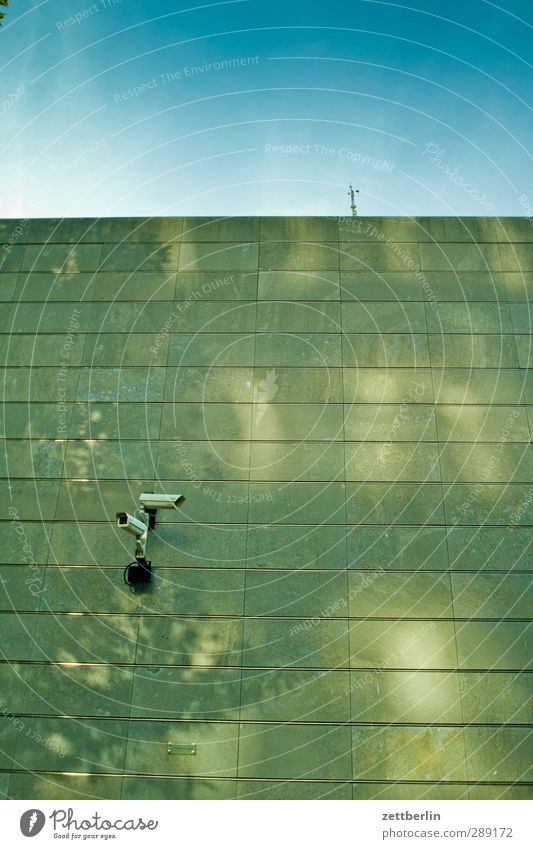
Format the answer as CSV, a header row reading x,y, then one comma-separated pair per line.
x,y
340,609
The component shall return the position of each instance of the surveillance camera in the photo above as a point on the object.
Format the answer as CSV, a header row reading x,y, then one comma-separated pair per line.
x,y
131,524
151,502
156,501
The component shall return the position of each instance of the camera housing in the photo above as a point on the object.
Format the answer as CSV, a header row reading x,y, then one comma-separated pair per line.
x,y
131,524
157,501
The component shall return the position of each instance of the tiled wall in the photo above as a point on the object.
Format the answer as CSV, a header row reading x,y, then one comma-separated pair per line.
x,y
341,608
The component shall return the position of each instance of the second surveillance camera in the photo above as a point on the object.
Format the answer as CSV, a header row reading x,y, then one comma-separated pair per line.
x,y
131,524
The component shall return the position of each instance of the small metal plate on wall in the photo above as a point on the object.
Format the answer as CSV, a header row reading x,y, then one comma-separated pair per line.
x,y
181,748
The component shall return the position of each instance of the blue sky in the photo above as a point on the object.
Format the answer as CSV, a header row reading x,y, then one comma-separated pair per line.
x,y
248,107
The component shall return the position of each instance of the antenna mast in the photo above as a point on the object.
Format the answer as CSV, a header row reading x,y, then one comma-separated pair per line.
x,y
353,205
